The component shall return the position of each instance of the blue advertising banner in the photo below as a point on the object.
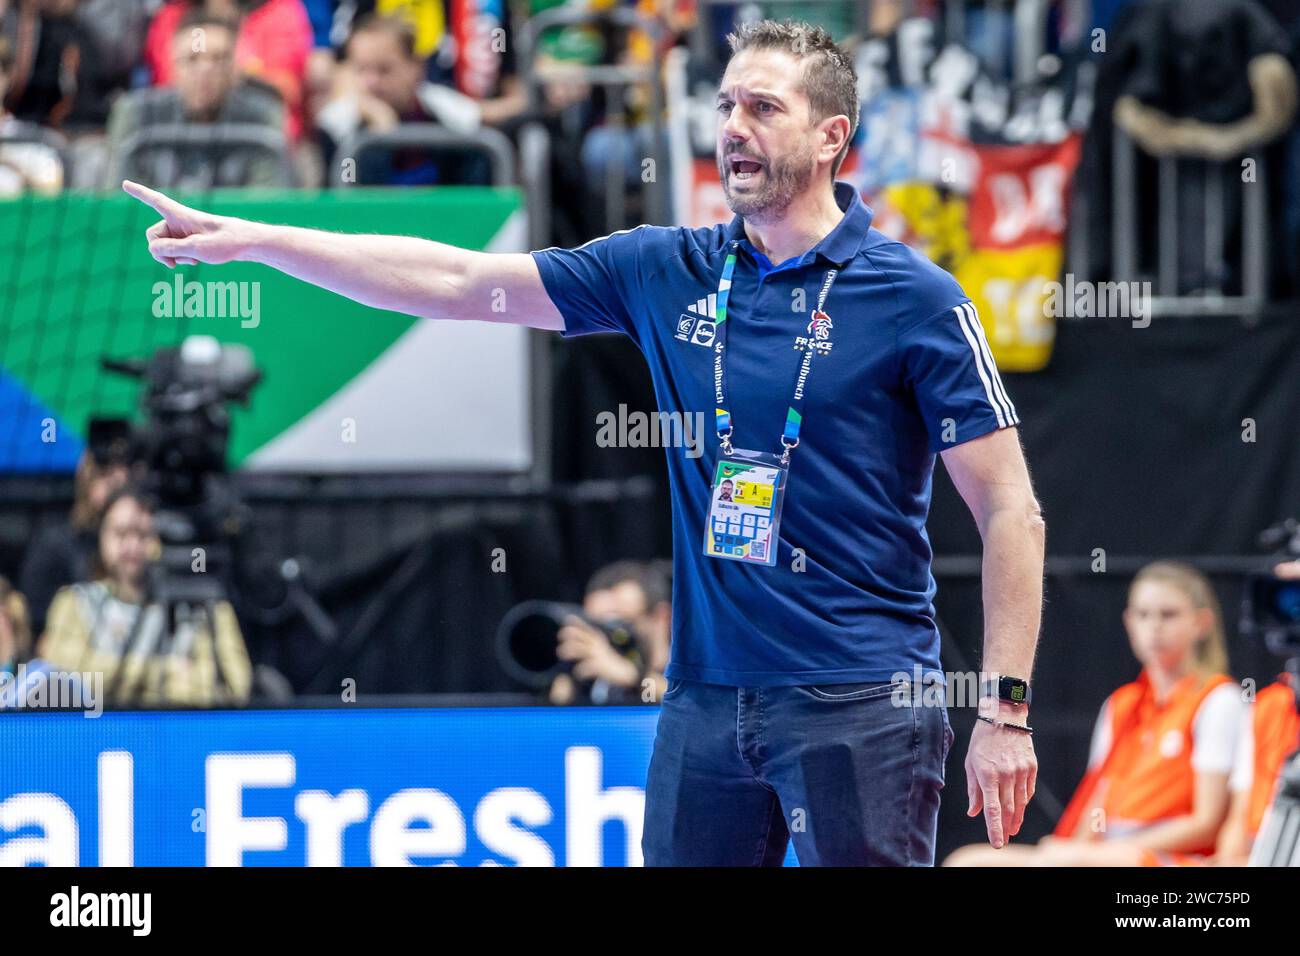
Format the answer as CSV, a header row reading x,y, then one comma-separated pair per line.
x,y
352,787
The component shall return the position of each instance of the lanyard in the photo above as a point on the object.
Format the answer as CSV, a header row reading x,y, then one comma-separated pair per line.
x,y
819,328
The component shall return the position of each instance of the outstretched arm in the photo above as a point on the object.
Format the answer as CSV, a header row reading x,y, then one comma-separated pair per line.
x,y
400,273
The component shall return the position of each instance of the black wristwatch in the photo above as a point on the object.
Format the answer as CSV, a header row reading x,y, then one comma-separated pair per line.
x,y
1011,689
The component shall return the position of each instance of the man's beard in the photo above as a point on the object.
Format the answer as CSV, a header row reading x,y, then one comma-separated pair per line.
x,y
783,180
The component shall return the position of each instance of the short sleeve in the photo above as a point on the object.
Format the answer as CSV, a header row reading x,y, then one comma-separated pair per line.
x,y
1100,745
596,286
947,363
1215,729
1242,777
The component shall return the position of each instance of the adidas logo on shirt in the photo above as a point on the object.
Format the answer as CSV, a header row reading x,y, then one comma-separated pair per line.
x,y
697,324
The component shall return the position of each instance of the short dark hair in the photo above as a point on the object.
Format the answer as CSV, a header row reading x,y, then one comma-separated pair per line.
x,y
829,80
399,28
648,576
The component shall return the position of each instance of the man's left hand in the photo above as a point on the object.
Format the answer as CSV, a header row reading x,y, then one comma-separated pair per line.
x,y
1001,772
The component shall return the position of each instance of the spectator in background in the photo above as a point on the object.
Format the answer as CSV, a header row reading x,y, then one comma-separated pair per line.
x,y
1204,80
273,42
15,634
617,131
109,625
57,78
380,86
1163,746
466,45
25,680
20,674
207,90
1270,734
322,61
63,553
627,592
1268,737
24,166
117,28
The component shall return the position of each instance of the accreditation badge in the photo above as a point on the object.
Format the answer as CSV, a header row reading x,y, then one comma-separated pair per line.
x,y
745,507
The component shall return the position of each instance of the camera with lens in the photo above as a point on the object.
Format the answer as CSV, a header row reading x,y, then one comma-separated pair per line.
x,y
183,439
528,637
1271,605
182,444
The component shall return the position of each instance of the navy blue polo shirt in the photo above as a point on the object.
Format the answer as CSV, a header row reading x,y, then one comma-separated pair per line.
x,y
909,374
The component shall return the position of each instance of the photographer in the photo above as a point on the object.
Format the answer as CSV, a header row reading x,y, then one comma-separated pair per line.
x,y
625,592
109,625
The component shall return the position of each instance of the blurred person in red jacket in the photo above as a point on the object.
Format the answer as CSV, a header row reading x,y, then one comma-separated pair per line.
x,y
208,90
275,39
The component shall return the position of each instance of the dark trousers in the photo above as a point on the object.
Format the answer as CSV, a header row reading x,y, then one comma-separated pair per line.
x,y
850,772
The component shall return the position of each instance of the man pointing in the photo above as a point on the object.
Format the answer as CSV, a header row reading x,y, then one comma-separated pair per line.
x,y
837,365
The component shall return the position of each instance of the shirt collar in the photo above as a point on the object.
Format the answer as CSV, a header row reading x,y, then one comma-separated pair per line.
x,y
841,244
1184,684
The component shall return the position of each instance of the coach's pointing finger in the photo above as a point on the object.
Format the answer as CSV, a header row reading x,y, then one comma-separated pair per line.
x,y
188,236
164,206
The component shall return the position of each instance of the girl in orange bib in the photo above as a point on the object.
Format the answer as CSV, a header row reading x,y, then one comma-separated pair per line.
x,y
1163,745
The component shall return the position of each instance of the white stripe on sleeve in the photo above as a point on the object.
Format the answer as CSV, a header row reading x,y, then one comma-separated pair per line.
x,y
998,387
979,366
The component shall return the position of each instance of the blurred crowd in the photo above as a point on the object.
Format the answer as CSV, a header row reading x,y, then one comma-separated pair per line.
x,y
197,94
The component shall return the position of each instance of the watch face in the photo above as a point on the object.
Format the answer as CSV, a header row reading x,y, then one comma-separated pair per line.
x,y
1014,689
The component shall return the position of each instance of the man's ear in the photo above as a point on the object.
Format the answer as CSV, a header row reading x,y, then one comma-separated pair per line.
x,y
838,130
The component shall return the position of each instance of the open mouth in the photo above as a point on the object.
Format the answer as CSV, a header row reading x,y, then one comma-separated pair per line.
x,y
744,169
